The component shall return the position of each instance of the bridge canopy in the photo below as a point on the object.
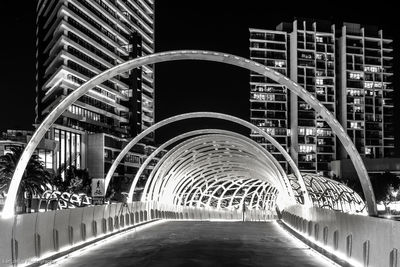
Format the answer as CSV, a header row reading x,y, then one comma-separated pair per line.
x,y
226,171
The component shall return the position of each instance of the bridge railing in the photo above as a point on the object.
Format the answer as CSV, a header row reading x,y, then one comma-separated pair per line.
x,y
360,240
39,237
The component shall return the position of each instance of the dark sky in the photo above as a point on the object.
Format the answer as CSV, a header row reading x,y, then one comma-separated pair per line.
x,y
180,86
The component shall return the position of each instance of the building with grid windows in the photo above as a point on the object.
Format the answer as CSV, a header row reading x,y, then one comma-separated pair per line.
x,y
348,69
76,40
366,89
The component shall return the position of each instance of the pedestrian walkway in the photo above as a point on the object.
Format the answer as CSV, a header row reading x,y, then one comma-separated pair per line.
x,y
201,243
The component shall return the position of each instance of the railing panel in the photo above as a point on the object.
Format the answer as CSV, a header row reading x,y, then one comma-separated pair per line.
x,y
75,225
24,235
61,231
44,231
359,238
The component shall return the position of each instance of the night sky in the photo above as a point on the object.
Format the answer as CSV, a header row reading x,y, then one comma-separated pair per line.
x,y
184,86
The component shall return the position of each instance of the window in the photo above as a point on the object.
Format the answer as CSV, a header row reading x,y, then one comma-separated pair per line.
x,y
357,101
378,85
371,69
354,92
49,159
323,132
356,125
368,85
306,148
69,151
279,63
305,106
319,81
263,97
320,90
319,39
309,131
309,158
320,56
355,75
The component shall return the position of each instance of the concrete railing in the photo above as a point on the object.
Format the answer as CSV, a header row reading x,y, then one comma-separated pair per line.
x,y
33,238
360,240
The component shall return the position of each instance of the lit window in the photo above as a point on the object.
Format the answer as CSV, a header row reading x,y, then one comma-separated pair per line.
x,y
309,157
320,90
319,81
309,131
306,149
279,63
260,88
270,131
355,75
323,132
368,85
354,92
357,101
371,69
319,39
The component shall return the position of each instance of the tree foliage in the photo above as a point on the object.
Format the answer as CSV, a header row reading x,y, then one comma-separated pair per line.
x,y
73,180
384,184
35,180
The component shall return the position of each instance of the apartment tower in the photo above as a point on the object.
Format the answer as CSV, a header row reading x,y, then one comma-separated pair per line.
x,y
348,69
76,40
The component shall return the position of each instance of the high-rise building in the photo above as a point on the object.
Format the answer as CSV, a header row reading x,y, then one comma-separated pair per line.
x,y
269,101
349,71
76,40
366,89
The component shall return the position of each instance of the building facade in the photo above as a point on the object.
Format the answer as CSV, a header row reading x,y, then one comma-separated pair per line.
x,y
269,101
46,149
78,39
320,57
366,89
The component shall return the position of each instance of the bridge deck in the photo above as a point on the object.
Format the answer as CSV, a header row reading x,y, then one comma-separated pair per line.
x,y
195,243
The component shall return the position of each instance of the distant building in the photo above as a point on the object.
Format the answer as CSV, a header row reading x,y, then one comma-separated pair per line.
x,y
77,40
46,149
348,69
366,89
344,169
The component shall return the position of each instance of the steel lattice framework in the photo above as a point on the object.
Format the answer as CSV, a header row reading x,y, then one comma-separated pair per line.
x,y
231,194
329,194
224,171
218,170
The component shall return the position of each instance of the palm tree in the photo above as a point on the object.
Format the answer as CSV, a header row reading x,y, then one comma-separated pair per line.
x,y
35,180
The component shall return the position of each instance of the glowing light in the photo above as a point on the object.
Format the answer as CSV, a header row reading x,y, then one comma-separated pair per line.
x,y
327,248
85,249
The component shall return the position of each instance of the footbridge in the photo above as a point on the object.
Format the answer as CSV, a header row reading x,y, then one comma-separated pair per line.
x,y
215,198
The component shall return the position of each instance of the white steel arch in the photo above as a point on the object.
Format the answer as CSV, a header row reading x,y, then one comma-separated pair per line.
x,y
8,209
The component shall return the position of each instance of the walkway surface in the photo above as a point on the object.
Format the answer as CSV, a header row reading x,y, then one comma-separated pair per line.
x,y
195,243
